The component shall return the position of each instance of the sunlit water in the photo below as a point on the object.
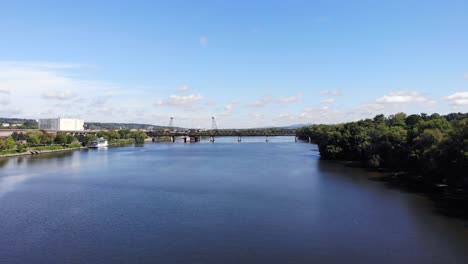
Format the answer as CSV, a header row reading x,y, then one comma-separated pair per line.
x,y
226,202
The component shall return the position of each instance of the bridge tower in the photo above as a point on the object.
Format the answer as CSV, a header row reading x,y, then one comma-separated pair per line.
x,y
213,124
214,127
171,123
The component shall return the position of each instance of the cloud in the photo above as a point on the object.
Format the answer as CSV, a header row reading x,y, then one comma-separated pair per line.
x,y
269,100
183,88
178,100
99,102
4,91
257,115
203,40
403,97
29,82
391,103
313,115
210,102
331,92
465,76
58,95
40,65
290,99
5,101
228,107
328,101
261,102
458,99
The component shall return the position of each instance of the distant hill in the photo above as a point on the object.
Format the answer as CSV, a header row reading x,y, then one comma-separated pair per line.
x,y
297,126
98,126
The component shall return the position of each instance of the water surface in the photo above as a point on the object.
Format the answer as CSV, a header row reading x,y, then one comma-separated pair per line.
x,y
252,202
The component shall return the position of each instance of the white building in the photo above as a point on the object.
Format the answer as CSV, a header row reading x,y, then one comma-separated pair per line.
x,y
66,124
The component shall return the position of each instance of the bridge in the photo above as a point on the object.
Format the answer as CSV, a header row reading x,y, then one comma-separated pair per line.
x,y
193,135
196,135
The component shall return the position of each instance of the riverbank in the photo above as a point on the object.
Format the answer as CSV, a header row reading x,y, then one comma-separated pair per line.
x,y
51,149
37,152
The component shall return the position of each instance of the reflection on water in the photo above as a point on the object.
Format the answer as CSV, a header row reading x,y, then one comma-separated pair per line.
x,y
3,162
225,202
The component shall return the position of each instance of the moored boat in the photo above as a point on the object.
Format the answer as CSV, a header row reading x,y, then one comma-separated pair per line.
x,y
99,143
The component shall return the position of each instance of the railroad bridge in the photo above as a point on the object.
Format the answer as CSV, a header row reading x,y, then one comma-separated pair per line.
x,y
196,135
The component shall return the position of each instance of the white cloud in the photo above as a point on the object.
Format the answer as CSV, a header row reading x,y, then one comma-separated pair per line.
x,y
331,92
203,40
5,101
261,102
183,88
210,102
32,85
58,95
328,101
228,107
258,116
312,115
39,65
406,101
4,91
269,100
180,100
290,99
403,97
391,103
458,99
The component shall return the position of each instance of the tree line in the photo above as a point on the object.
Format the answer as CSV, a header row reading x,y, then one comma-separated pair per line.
x,y
18,142
430,148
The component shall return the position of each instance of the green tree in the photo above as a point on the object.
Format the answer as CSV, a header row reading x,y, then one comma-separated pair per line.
x,y
61,138
139,136
9,143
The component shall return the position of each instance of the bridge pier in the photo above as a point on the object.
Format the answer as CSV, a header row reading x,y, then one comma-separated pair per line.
x,y
239,139
310,140
267,139
212,139
172,139
295,139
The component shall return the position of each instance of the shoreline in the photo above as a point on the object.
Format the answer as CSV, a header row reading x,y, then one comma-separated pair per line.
x,y
29,152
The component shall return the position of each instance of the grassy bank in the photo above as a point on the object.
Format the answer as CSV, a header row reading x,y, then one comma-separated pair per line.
x,y
39,149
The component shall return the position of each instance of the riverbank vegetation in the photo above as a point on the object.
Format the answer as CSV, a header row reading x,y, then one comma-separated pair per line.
x,y
427,151
38,140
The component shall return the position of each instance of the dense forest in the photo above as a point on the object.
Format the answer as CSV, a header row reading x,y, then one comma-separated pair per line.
x,y
431,150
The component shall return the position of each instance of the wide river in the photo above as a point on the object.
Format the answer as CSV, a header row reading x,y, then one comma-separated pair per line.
x,y
227,202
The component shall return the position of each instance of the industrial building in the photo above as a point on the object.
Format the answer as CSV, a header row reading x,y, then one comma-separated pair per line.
x,y
64,124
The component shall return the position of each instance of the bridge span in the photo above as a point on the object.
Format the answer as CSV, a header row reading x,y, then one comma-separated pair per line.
x,y
196,135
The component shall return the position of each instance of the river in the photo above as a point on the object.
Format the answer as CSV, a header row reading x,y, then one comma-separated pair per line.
x,y
227,202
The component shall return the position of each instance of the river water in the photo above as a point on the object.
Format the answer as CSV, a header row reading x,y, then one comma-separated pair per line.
x,y
227,202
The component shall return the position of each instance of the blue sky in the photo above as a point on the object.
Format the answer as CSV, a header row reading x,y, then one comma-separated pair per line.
x,y
248,63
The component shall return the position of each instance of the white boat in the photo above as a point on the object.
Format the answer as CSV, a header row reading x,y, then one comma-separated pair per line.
x,y
99,143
